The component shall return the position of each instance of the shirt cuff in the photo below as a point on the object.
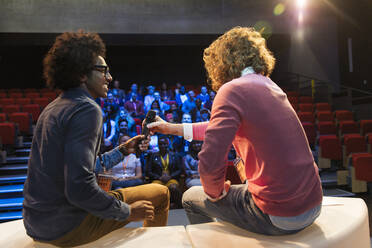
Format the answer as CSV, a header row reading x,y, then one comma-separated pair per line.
x,y
224,193
187,131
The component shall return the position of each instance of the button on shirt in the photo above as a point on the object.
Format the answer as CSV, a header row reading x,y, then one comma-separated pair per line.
x,y
61,186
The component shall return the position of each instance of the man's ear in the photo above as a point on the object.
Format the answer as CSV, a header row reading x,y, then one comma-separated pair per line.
x,y
84,78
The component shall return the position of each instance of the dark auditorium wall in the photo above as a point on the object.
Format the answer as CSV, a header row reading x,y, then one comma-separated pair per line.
x,y
138,59
32,23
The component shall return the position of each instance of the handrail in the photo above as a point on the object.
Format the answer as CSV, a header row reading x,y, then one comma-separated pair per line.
x,y
319,81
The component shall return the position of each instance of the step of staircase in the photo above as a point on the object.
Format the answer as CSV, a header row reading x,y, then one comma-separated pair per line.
x,y
10,215
15,188
17,160
21,178
25,152
26,144
11,203
13,168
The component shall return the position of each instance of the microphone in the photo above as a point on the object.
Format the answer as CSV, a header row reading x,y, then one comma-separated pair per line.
x,y
150,117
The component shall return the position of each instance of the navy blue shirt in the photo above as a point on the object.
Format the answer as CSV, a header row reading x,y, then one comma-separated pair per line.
x,y
61,186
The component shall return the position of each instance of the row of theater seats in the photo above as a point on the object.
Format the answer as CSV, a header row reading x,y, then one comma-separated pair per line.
x,y
19,109
339,138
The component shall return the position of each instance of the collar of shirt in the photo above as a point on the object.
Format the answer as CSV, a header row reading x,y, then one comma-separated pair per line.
x,y
247,70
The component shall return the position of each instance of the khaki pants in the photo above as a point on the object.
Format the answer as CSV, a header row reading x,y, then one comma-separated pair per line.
x,y
93,227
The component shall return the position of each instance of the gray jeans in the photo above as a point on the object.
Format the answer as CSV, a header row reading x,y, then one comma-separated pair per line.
x,y
237,208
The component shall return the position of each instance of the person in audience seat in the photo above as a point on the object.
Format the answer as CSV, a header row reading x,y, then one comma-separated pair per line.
x,y
283,193
164,167
63,204
190,163
135,107
128,172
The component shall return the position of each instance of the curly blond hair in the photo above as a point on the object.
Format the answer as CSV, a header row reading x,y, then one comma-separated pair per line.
x,y
235,50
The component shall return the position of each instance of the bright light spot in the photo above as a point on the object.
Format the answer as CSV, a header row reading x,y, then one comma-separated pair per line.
x,y
279,9
300,34
264,28
301,3
300,17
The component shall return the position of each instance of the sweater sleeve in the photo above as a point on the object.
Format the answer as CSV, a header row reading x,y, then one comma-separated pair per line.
x,y
198,130
81,188
220,133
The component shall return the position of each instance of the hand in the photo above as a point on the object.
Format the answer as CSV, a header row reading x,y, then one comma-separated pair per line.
x,y
136,145
141,210
226,186
159,125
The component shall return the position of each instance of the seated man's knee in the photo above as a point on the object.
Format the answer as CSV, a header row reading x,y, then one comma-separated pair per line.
x,y
162,191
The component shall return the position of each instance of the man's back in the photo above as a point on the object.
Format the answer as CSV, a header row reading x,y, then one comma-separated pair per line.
x,y
47,212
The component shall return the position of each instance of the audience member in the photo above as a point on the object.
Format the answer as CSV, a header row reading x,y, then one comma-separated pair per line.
x,y
164,167
134,88
109,131
128,172
134,106
117,91
190,162
149,98
203,96
205,114
209,103
165,93
162,105
181,96
189,105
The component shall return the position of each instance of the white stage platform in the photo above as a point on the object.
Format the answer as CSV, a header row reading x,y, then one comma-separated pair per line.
x,y
343,223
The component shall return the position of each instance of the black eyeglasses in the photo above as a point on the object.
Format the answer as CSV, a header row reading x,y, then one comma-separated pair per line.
x,y
102,68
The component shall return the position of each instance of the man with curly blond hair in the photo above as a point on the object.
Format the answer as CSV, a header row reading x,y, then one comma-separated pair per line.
x,y
63,204
282,193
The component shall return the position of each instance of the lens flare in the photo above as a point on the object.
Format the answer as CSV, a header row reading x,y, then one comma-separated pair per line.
x,y
301,3
279,9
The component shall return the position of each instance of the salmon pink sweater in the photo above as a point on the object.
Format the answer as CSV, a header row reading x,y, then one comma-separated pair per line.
x,y
254,115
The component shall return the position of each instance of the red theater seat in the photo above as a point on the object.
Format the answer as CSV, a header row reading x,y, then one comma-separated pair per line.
x,y
293,99
24,121
33,109
323,106
327,128
324,116
362,162
7,101
292,93
23,101
347,127
8,109
8,133
138,121
306,107
354,143
306,117
3,95
330,147
29,90
42,101
306,99
310,132
32,95
3,117
50,95
344,115
16,95
138,129
14,90
366,126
